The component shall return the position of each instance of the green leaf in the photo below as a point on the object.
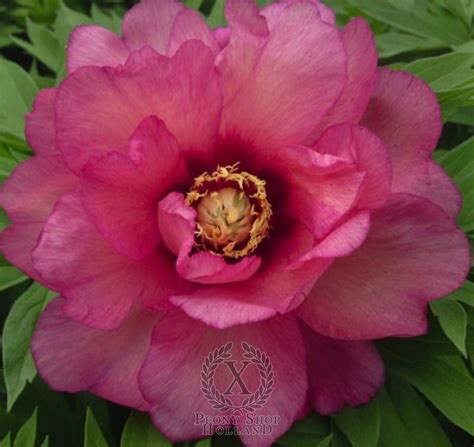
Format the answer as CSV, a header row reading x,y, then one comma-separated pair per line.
x,y
393,432
393,43
26,436
6,442
4,220
459,164
465,294
111,22
453,320
204,443
444,381
10,276
45,442
44,45
326,442
418,420
360,425
19,325
93,436
306,432
15,143
139,431
463,116
66,20
444,72
195,4
17,91
416,18
450,75
216,17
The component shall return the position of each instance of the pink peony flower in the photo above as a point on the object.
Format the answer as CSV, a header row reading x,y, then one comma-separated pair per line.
x,y
263,184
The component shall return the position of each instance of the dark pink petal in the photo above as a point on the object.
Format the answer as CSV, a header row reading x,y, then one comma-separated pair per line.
x,y
342,241
150,23
362,75
321,188
414,253
248,33
341,373
28,197
177,223
94,45
327,14
39,129
222,36
72,357
369,155
272,11
404,112
97,109
16,244
293,83
275,288
190,25
428,179
99,284
207,268
121,192
179,340
30,192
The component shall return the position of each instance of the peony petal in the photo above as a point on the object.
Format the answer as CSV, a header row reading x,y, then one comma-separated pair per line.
x,y
72,357
248,33
177,222
404,112
346,238
94,45
150,23
179,340
97,109
34,186
370,156
274,288
341,373
207,268
16,244
190,25
222,36
121,192
320,188
327,14
293,84
362,75
427,179
414,253
99,284
273,11
28,197
39,130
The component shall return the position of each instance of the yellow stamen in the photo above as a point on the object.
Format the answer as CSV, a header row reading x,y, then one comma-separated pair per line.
x,y
233,211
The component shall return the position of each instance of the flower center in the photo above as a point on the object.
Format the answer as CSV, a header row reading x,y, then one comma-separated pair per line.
x,y
233,212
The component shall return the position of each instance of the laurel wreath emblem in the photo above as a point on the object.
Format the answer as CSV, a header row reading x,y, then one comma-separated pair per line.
x,y
256,400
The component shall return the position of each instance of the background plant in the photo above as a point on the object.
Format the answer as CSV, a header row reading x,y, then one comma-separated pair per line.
x,y
428,399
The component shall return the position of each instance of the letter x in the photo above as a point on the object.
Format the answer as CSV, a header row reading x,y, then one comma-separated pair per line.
x,y
237,377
